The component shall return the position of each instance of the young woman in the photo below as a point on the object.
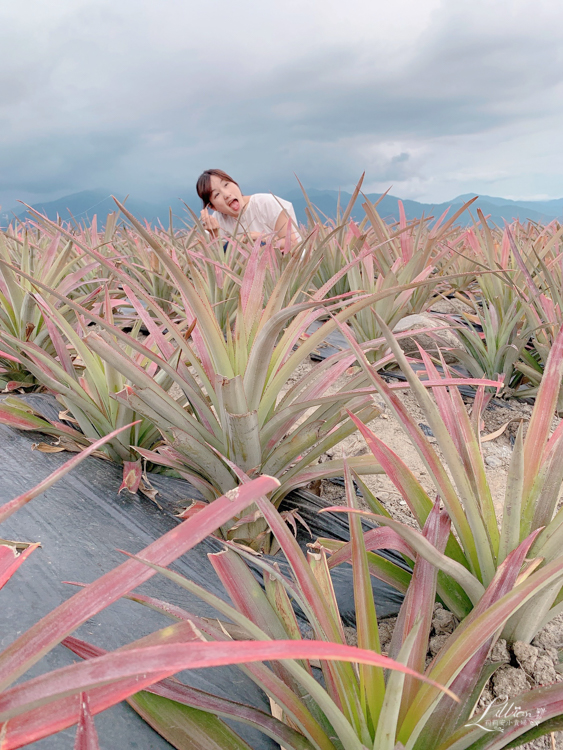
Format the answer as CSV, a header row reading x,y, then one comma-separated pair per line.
x,y
258,215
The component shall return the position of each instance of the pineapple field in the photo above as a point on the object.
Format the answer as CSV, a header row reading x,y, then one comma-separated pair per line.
x,y
353,453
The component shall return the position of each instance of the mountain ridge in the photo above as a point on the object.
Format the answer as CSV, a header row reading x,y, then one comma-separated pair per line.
x,y
83,205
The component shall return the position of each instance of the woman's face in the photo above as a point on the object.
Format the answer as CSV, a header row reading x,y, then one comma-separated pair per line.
x,y
225,196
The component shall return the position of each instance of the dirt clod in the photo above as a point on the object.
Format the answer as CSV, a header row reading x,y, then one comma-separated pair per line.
x,y
493,462
509,682
386,628
527,655
351,635
537,664
500,651
443,622
552,635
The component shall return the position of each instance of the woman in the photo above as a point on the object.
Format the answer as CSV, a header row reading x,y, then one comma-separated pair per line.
x,y
257,215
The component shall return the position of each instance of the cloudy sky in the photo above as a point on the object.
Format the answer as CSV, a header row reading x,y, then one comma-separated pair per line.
x,y
432,97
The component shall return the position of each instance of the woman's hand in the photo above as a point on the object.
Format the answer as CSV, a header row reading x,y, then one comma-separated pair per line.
x,y
209,222
250,237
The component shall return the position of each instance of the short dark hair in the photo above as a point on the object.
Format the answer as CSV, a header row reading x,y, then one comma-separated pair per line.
x,y
203,185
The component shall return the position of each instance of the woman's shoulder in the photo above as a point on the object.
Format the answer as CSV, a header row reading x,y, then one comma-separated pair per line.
x,y
268,202
267,198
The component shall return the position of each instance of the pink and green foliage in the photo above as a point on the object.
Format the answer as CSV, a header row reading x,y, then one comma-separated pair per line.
x,y
229,328
489,250
230,411
43,705
84,385
223,271
18,414
244,373
495,352
25,258
339,245
534,481
541,267
411,714
236,406
401,252
413,253
516,299
220,424
358,707
375,258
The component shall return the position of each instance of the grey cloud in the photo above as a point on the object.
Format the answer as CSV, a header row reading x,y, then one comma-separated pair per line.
x,y
442,91
106,98
54,163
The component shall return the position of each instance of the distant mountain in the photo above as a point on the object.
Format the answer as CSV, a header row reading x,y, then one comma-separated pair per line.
x,y
497,210
551,207
84,205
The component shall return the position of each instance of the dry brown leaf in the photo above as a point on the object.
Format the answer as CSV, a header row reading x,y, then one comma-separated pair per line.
x,y
19,547
66,416
147,489
29,328
69,445
47,448
498,433
190,330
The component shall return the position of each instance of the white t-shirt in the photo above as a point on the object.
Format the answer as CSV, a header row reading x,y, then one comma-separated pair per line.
x,y
260,215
